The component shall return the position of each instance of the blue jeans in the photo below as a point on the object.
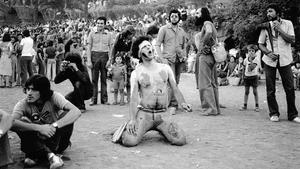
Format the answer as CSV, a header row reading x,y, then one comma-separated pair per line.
x,y
288,85
208,84
99,60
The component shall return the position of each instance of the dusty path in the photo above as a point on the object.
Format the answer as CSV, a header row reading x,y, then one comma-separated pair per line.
x,y
234,140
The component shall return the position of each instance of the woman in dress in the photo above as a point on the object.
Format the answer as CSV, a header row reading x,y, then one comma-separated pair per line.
x,y
5,61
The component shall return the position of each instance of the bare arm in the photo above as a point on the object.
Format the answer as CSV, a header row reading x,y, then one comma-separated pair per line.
x,y
5,122
133,96
177,93
73,113
287,37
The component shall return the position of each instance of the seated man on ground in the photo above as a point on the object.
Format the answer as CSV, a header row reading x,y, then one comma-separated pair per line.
x,y
73,69
44,122
149,98
5,154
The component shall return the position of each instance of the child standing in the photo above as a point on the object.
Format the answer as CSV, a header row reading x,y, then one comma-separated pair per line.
x,y
118,75
296,73
251,75
192,59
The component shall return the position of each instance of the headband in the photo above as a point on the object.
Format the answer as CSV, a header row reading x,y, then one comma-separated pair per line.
x,y
143,44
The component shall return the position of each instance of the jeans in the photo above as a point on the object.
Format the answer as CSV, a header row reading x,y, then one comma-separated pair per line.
x,y
176,68
288,85
36,147
51,69
80,93
99,60
26,67
15,64
208,84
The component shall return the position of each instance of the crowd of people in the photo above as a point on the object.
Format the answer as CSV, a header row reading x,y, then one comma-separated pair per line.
x,y
143,63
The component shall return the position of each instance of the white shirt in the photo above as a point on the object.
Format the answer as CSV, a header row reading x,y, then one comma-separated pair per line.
x,y
27,44
281,47
254,72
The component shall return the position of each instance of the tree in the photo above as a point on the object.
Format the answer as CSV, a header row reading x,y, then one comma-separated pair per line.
x,y
244,16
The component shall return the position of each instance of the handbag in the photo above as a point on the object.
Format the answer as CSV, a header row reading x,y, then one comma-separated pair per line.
x,y
218,51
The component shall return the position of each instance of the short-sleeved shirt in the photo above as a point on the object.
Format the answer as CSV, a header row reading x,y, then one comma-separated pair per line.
x,y
280,46
51,52
254,72
172,40
50,112
27,44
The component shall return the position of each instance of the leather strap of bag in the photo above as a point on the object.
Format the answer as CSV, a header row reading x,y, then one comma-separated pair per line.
x,y
269,30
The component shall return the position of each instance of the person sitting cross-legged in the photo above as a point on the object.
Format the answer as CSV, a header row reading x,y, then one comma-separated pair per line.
x,y
149,99
44,122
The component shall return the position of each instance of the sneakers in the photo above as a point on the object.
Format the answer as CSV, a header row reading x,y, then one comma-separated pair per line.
x,y
275,119
29,162
243,108
296,119
55,161
256,109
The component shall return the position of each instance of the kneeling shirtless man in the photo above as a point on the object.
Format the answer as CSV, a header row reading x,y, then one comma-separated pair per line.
x,y
149,98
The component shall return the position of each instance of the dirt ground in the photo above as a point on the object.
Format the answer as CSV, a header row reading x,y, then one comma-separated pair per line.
x,y
234,140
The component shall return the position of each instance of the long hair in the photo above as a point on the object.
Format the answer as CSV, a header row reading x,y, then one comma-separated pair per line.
x,y
205,16
6,37
41,84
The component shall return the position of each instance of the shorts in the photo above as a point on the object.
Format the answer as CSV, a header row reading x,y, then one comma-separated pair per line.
x,y
251,81
118,84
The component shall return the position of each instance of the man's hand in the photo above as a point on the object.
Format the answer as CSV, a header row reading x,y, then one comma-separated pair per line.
x,y
108,63
206,50
89,64
132,127
273,56
186,107
47,130
73,66
276,26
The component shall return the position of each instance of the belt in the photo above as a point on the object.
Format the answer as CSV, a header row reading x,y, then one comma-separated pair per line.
x,y
99,52
152,111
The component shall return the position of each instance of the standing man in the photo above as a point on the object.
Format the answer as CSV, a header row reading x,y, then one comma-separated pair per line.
x,y
26,45
278,55
99,44
173,40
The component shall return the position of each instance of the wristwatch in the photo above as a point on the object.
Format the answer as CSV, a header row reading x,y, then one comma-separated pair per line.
x,y
55,125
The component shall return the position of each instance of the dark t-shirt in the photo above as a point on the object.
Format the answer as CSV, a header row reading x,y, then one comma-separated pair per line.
x,y
50,51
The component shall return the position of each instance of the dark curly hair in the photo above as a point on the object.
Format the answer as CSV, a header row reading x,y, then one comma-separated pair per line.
x,y
176,12
135,46
41,84
75,58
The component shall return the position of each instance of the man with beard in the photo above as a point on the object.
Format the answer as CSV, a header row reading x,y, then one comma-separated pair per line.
x,y
207,73
99,45
173,40
149,98
278,37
